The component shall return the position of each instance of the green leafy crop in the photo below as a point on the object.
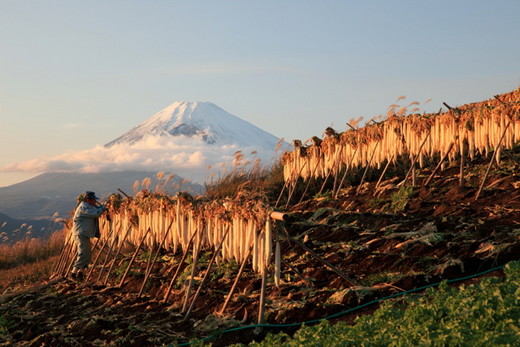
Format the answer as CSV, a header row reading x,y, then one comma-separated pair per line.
x,y
482,314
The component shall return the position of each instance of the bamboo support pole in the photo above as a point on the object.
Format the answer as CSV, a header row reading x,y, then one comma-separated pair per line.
x,y
291,192
115,256
347,168
307,185
461,170
60,260
99,253
174,277
106,258
148,273
192,277
72,259
366,168
261,306
63,258
320,259
414,160
382,175
280,195
439,164
133,258
324,182
233,287
497,150
208,270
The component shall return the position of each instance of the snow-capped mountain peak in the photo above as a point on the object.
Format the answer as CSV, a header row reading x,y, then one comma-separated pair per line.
x,y
204,121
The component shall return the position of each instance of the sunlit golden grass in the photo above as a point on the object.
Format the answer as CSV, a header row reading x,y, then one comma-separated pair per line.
x,y
28,261
30,250
26,274
263,179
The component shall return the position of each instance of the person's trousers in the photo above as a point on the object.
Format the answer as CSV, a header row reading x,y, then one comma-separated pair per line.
x,y
84,252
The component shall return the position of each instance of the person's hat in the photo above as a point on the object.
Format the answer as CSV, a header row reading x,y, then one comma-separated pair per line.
x,y
91,195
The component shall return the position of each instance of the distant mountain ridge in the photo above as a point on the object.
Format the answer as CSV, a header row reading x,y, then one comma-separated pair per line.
x,y
42,196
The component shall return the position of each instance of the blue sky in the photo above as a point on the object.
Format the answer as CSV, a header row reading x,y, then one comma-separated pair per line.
x,y
76,74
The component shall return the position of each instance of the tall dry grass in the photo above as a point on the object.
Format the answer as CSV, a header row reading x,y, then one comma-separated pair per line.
x,y
266,180
28,261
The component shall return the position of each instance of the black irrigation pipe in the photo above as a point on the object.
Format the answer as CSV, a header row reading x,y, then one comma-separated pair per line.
x,y
208,338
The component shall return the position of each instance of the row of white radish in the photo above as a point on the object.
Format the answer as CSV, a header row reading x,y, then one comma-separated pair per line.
x,y
474,130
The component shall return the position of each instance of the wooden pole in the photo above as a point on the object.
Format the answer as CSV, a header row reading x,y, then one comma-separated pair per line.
x,y
261,306
99,253
412,166
193,270
439,164
366,168
308,184
291,192
208,270
320,259
347,168
116,255
462,163
106,258
382,174
184,255
497,150
233,287
65,254
133,258
62,255
155,259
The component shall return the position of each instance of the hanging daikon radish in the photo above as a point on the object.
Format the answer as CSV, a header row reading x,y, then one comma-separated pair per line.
x,y
268,241
277,264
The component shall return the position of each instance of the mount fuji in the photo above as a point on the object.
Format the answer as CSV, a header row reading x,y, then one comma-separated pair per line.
x,y
187,138
204,121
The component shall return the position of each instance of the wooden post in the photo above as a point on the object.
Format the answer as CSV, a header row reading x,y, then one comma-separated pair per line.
x,y
366,168
439,164
261,306
133,258
497,150
382,174
462,159
99,253
347,168
233,287
184,255
308,184
106,258
196,252
208,270
116,255
147,275
62,255
64,258
291,192
412,166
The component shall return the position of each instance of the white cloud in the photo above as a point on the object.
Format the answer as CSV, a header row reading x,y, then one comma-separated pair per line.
x,y
187,157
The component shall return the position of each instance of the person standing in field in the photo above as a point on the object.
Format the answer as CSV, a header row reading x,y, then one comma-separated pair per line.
x,y
85,226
